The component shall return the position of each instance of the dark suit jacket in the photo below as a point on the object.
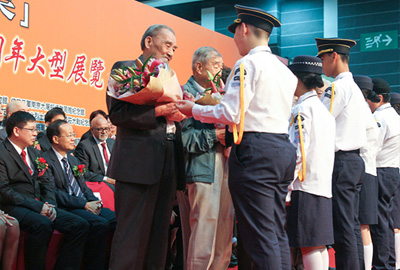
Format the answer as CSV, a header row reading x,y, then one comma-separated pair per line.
x,y
44,142
59,177
140,147
89,154
17,186
86,135
3,134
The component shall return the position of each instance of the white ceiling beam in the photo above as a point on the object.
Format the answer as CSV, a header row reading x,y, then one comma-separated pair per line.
x,y
163,3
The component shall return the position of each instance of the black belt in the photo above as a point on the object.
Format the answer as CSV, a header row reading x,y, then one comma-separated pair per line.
x,y
171,137
351,151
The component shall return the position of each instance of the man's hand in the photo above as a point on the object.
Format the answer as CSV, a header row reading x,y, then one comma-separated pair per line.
x,y
52,214
176,117
166,109
185,107
93,207
48,210
6,218
110,181
220,135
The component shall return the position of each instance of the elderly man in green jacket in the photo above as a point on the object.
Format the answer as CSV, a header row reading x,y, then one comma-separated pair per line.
x,y
211,212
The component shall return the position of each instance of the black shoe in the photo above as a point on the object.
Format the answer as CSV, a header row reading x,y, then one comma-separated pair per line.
x,y
234,261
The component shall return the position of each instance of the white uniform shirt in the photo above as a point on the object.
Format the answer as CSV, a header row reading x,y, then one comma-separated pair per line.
x,y
388,136
349,112
269,88
368,151
318,127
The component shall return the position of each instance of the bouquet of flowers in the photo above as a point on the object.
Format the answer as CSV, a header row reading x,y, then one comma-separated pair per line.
x,y
213,94
149,83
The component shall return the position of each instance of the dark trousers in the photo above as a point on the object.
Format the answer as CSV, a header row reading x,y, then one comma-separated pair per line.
x,y
383,233
40,229
100,226
347,174
143,217
260,170
357,228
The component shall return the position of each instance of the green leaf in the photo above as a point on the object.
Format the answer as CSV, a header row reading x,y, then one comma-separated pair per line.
x,y
145,62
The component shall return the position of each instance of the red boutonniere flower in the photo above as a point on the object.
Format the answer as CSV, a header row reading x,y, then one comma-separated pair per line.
x,y
41,165
79,170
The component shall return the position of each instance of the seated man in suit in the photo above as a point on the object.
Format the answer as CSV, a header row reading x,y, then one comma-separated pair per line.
x,y
74,196
27,193
12,107
93,115
52,115
95,152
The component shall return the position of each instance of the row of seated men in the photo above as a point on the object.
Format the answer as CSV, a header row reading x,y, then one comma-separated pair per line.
x,y
46,190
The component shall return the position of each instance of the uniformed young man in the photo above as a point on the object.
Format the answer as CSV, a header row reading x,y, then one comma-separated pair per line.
x,y
368,194
346,103
387,163
262,165
395,102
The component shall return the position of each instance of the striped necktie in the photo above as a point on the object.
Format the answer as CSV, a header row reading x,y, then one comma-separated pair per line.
x,y
73,185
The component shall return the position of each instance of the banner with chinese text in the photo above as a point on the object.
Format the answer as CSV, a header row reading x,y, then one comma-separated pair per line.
x,y
60,53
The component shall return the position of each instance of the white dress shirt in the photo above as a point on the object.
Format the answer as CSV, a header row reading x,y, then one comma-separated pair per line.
x,y
102,153
349,112
388,136
269,88
60,157
318,127
368,151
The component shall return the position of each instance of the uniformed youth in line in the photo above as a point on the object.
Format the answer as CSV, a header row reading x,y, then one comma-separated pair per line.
x,y
346,103
368,193
387,163
262,166
312,132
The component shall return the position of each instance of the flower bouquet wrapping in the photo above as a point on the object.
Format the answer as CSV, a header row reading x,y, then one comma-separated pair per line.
x,y
210,96
150,83
213,94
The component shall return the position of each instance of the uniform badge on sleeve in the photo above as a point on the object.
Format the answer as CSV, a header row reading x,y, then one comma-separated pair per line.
x,y
236,74
296,128
328,92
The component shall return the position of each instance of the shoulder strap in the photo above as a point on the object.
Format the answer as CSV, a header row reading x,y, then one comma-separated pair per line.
x,y
237,136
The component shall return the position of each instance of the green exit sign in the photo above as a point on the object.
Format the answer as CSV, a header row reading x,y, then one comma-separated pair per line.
x,y
378,41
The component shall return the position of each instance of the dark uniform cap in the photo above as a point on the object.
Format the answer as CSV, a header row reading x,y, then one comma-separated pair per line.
x,y
256,17
306,63
394,98
328,45
364,82
380,86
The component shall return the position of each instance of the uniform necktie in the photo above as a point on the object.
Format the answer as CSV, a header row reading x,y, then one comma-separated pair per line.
x,y
76,190
105,152
23,155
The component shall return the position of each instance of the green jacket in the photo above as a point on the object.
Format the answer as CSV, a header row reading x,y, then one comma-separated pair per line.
x,y
200,142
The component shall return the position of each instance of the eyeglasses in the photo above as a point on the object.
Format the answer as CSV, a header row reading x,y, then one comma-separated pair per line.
x,y
102,129
72,135
33,130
